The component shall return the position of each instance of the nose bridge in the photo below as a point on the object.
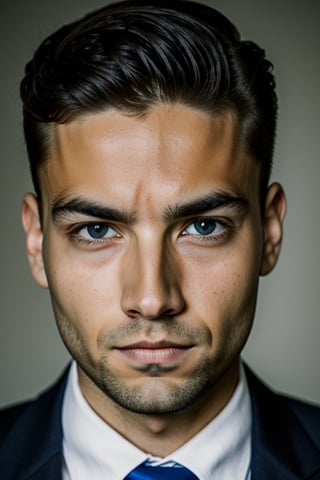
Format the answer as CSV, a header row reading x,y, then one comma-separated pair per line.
x,y
151,281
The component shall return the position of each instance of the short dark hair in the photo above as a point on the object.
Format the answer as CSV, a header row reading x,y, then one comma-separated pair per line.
x,y
136,54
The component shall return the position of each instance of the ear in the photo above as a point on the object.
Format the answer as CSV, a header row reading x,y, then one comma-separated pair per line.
x,y
274,213
34,236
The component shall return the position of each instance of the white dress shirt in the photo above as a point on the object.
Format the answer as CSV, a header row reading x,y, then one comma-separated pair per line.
x,y
94,451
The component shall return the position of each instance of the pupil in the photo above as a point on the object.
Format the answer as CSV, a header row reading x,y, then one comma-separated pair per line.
x,y
97,230
205,227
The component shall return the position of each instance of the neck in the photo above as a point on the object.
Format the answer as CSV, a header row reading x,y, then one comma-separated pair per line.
x,y
160,435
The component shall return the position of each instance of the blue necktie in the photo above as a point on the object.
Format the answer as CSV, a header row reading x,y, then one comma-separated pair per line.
x,y
146,471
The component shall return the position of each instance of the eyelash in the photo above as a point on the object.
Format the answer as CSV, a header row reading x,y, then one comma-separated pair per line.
x,y
225,225
74,233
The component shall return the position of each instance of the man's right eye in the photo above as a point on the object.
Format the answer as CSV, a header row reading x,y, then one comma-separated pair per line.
x,y
97,231
94,232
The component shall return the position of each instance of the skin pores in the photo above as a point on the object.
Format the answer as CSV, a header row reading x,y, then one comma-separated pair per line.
x,y
152,242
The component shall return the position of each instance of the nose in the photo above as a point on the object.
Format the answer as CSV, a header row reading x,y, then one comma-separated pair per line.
x,y
150,283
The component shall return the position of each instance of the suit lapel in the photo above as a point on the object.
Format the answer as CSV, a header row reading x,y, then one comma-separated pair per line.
x,y
281,448
50,470
38,458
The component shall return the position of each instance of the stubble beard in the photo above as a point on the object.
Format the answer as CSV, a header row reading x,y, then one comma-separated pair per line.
x,y
156,393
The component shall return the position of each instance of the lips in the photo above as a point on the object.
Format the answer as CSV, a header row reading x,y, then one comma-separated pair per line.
x,y
154,352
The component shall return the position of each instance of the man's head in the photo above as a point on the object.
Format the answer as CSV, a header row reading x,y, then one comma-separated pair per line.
x,y
133,55
150,128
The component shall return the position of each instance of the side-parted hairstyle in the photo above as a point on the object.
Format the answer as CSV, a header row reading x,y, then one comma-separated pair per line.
x,y
136,54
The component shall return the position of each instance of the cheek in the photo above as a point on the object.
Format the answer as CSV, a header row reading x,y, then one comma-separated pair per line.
x,y
83,298
224,294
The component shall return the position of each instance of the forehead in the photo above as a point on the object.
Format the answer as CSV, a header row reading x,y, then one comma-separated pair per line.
x,y
172,152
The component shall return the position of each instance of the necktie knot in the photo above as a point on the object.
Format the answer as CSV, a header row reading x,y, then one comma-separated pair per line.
x,y
147,471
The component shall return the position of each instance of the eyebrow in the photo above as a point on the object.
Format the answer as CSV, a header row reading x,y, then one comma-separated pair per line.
x,y
62,208
212,201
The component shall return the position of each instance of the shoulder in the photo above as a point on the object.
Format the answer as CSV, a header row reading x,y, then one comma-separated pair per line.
x,y
31,436
276,412
308,416
31,416
285,434
9,415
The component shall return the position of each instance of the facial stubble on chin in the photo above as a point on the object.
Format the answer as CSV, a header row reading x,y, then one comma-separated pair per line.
x,y
156,393
159,394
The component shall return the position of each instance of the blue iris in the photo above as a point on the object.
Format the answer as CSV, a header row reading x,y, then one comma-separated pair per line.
x,y
97,230
205,227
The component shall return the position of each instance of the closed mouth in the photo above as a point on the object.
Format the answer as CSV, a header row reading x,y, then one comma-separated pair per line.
x,y
162,352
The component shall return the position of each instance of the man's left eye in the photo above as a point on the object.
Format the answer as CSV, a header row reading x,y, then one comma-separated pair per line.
x,y
205,227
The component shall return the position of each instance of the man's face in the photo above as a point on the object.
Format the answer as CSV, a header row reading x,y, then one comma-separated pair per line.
x,y
153,242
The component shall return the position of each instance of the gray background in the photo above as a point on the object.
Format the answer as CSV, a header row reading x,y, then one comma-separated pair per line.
x,y
284,344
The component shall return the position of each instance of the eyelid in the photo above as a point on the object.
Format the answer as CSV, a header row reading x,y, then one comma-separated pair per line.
x,y
76,227
216,219
74,233
226,225
207,221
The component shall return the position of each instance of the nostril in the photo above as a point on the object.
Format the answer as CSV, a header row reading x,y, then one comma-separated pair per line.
x,y
133,313
151,292
154,311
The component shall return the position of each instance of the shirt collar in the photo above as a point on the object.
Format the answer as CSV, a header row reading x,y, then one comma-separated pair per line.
x,y
92,449
222,450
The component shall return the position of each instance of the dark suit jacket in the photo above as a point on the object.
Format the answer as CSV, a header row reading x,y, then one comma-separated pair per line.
x,y
285,437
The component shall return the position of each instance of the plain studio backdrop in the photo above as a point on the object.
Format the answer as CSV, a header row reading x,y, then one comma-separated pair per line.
x,y
284,344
